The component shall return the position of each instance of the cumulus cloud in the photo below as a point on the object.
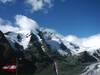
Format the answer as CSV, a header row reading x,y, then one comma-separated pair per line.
x,y
7,26
25,23
5,1
22,23
39,4
88,42
92,41
71,38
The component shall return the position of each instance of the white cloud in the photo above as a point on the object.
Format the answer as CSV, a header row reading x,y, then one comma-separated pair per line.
x,y
7,26
71,38
22,23
39,4
88,42
5,1
92,41
25,23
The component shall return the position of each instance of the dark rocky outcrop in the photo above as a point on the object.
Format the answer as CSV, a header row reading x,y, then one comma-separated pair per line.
x,y
6,52
85,57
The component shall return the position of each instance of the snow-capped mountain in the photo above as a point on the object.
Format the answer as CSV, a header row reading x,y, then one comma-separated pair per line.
x,y
54,45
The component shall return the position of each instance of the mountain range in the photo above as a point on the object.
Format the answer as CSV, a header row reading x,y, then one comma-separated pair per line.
x,y
37,48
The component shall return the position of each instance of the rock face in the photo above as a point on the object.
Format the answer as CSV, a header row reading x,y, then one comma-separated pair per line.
x,y
34,59
6,52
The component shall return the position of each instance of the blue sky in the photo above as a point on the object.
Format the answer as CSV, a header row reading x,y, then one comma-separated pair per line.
x,y
77,17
